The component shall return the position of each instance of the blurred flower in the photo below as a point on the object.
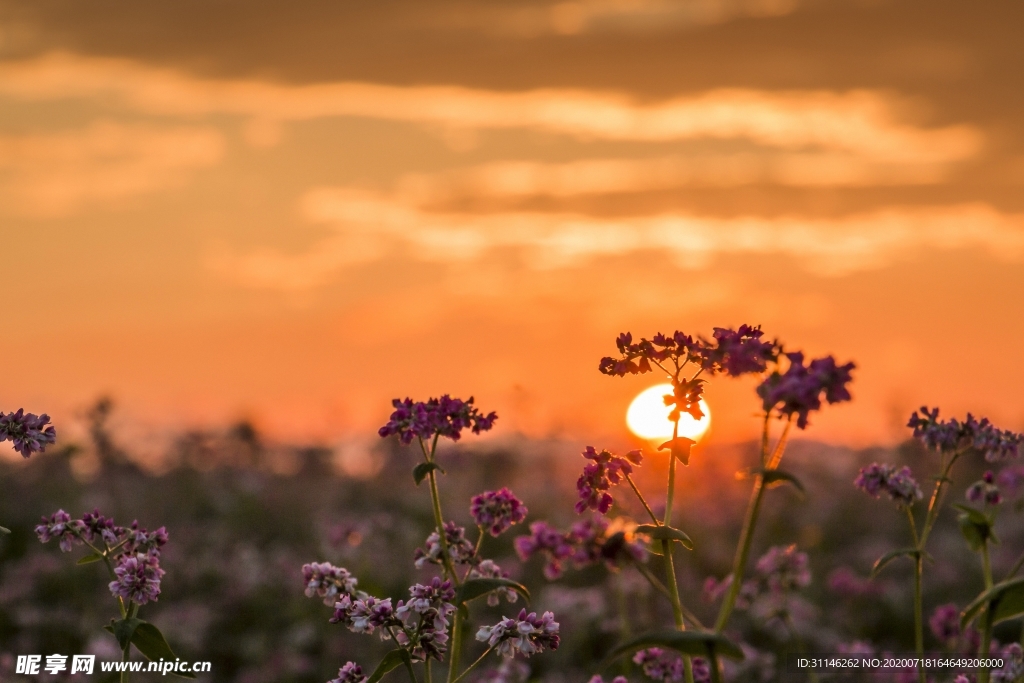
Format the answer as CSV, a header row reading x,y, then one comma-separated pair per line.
x,y
604,470
985,491
845,581
527,634
460,550
784,568
598,540
28,433
713,589
138,578
860,648
60,526
488,569
349,673
660,665
596,678
899,484
327,581
548,541
1011,480
496,511
509,671
945,623
1013,665
952,435
445,416
798,390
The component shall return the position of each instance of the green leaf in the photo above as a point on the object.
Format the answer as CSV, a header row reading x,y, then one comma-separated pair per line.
x,y
475,588
124,629
423,469
693,643
4,530
148,640
773,478
665,533
391,661
680,447
90,558
1006,600
892,555
975,527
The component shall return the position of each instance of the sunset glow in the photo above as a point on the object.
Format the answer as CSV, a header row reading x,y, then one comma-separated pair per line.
x,y
647,416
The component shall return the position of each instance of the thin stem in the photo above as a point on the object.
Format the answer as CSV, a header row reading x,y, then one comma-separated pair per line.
x,y
986,633
456,652
666,547
471,666
936,500
426,671
643,501
918,602
435,500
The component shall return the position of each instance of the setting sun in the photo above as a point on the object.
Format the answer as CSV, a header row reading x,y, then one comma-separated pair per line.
x,y
647,416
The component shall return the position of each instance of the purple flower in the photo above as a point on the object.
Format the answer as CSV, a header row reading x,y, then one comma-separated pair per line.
x,y
96,525
142,541
327,581
365,615
844,581
604,470
460,550
945,623
713,589
527,634
349,673
953,435
496,511
425,619
28,432
445,416
488,569
548,541
60,526
899,484
738,352
985,491
798,390
138,578
784,568
596,540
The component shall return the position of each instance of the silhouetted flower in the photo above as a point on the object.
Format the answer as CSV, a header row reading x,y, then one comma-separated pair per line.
x,y
138,578
496,511
604,470
953,435
899,484
798,391
28,432
527,634
738,352
445,416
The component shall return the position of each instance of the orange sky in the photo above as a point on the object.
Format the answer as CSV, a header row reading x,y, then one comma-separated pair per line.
x,y
293,213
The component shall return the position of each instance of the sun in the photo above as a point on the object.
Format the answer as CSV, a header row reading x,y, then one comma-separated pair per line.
x,y
647,416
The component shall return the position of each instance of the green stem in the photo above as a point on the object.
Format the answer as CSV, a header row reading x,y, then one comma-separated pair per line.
x,y
918,602
643,501
986,634
473,665
456,652
670,567
426,671
742,553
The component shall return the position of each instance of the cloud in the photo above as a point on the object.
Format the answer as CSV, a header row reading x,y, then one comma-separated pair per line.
x,y
54,174
863,123
369,224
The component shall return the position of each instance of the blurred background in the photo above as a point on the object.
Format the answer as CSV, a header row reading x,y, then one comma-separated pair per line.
x,y
252,225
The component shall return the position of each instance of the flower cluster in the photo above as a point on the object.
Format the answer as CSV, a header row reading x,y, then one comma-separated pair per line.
x,y
419,625
798,391
899,484
28,433
350,673
445,416
945,623
527,634
783,568
985,491
489,569
953,435
327,581
135,550
734,352
460,550
496,511
604,470
138,578
668,666
587,542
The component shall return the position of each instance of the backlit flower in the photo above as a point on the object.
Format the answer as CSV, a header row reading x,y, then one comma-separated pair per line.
x,y
496,511
876,479
28,433
138,578
527,634
445,416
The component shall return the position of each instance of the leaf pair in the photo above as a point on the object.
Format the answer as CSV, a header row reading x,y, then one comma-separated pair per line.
x,y
146,638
